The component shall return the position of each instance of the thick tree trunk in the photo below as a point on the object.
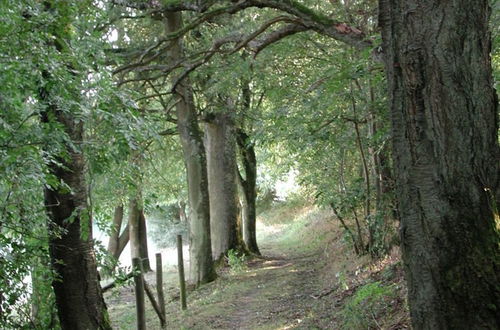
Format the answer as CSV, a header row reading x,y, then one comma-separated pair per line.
x,y
201,264
137,232
78,294
446,156
249,191
79,300
223,190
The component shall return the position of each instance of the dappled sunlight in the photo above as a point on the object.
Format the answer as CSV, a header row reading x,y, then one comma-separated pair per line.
x,y
294,325
276,267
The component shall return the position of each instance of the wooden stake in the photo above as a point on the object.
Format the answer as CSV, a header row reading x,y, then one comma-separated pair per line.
x,y
151,297
180,262
139,294
159,286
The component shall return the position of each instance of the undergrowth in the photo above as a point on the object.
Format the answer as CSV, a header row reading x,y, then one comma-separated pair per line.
x,y
236,261
364,308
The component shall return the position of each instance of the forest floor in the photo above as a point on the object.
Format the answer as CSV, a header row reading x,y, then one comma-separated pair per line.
x,y
306,278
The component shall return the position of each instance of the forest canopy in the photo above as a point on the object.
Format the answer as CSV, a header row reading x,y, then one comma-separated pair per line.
x,y
118,113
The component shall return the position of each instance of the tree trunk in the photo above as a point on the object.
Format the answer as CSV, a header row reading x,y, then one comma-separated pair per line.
x,y
143,241
137,232
79,300
182,212
222,184
122,241
249,191
446,156
201,265
114,237
78,294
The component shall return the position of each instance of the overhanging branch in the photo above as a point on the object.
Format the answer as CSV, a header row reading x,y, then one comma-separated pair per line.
x,y
300,18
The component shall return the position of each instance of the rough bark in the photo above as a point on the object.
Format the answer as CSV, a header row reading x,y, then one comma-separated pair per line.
x,y
249,191
201,265
78,294
220,143
446,156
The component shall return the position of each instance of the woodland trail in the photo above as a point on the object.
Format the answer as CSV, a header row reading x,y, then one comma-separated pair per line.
x,y
304,279
277,291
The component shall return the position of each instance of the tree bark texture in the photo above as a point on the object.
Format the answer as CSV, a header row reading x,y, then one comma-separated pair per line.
x,y
446,157
78,294
249,192
201,265
220,145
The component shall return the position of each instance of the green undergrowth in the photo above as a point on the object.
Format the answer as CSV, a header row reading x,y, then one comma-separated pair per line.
x,y
236,261
364,308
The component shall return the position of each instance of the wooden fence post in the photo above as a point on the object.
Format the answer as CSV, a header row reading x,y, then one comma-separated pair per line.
x,y
139,294
180,262
159,286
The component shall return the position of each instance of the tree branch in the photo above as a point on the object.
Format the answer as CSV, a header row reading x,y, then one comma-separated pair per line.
x,y
302,19
157,6
275,36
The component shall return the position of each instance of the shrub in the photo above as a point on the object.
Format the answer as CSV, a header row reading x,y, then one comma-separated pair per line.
x,y
236,261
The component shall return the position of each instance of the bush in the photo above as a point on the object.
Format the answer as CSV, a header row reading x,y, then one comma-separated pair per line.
x,y
236,261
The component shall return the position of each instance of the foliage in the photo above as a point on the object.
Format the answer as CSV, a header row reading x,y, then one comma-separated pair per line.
x,y
366,306
316,108
165,224
236,261
332,130
495,49
33,60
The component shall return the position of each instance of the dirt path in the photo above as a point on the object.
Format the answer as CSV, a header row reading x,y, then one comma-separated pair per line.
x,y
275,292
303,281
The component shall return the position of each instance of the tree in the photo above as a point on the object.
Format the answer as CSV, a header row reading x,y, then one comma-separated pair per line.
x,y
137,230
445,139
248,184
76,285
220,141
446,157
247,175
118,239
79,299
201,265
